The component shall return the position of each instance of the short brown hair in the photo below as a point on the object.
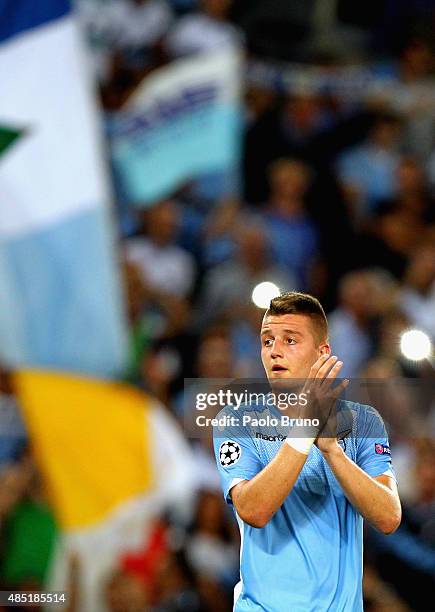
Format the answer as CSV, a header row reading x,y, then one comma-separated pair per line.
x,y
294,302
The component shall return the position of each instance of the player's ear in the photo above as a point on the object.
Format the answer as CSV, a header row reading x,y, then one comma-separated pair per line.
x,y
324,348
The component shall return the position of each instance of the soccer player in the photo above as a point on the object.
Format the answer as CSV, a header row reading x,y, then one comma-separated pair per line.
x,y
300,502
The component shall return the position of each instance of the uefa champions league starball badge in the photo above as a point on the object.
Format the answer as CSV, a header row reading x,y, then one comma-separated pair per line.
x,y
229,453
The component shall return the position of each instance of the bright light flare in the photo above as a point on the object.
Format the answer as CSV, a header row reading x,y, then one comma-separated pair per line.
x,y
415,345
263,293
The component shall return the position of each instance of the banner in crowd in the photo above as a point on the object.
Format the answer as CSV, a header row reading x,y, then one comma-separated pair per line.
x,y
59,292
112,459
183,121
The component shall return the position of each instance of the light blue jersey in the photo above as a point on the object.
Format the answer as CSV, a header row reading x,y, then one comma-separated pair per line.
x,y
309,556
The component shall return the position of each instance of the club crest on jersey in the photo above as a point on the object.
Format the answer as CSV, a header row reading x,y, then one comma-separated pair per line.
x,y
382,449
229,453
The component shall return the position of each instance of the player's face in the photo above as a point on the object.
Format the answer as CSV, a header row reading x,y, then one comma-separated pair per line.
x,y
289,346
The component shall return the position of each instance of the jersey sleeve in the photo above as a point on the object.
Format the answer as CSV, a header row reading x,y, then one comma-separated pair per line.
x,y
373,448
236,456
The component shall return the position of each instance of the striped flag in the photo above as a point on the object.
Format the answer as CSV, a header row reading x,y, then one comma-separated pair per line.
x,y
60,301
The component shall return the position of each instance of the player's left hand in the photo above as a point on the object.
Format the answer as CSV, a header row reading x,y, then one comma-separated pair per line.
x,y
327,441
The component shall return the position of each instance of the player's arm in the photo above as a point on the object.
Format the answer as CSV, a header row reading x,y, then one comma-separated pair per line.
x,y
375,498
257,500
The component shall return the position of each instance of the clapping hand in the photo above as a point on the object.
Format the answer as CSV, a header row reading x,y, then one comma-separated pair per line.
x,y
322,398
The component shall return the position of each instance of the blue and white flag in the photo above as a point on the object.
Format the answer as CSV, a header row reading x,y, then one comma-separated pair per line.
x,y
183,121
60,300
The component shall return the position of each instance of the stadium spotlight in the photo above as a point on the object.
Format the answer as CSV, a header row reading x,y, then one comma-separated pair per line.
x,y
263,293
416,345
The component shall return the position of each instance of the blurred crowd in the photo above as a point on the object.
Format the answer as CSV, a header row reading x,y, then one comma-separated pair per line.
x,y
334,196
